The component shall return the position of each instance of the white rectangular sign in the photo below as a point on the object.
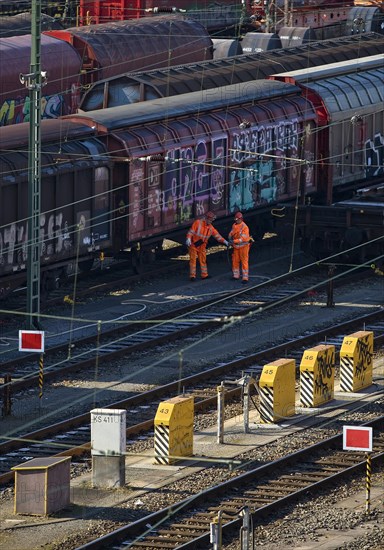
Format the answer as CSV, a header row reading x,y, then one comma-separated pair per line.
x,y
31,340
357,438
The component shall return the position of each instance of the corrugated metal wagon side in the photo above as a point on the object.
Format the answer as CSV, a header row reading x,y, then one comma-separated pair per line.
x,y
75,202
236,147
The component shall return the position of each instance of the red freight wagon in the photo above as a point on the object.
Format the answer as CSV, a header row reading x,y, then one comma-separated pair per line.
x,y
212,15
75,201
126,46
61,94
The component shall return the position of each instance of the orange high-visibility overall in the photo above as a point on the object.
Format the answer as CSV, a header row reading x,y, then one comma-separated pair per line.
x,y
240,239
200,234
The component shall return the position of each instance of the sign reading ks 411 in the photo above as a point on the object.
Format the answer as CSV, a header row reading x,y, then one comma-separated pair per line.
x,y
31,340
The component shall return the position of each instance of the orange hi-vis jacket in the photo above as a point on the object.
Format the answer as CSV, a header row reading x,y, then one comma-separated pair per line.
x,y
239,235
200,233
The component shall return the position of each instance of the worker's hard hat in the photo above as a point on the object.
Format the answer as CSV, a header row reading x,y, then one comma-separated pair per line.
x,y
238,216
210,216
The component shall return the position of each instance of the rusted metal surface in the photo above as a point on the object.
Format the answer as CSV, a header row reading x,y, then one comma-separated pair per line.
x,y
60,95
17,25
114,48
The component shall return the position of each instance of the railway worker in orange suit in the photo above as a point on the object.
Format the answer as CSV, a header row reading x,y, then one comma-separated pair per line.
x,y
240,239
197,239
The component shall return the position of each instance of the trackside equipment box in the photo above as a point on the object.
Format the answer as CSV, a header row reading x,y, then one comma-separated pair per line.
x,y
277,390
356,361
317,375
42,486
174,429
108,432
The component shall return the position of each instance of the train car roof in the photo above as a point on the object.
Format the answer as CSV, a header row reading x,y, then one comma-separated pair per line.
x,y
140,86
192,103
58,58
17,135
331,69
354,87
136,44
17,25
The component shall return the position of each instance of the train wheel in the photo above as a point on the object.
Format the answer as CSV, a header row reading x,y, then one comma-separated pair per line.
x,y
50,280
86,265
137,260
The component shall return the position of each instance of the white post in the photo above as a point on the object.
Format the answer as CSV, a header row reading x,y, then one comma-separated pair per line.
x,y
220,413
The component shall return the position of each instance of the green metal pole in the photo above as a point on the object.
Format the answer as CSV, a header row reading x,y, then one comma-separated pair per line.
x,y
33,82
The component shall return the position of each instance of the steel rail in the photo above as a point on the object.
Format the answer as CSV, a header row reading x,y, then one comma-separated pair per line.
x,y
139,531
154,395
183,321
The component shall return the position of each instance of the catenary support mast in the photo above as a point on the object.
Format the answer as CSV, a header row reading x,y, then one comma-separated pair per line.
x,y
34,82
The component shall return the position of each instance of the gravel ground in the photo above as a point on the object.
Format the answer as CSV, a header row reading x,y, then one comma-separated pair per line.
x,y
325,519
292,530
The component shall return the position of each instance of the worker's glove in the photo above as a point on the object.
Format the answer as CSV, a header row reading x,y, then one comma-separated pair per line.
x,y
188,242
226,243
230,240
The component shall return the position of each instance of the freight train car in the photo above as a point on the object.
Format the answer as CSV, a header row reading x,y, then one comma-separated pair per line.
x,y
78,57
326,18
75,201
247,146
131,88
248,161
64,10
215,16
349,99
61,93
17,25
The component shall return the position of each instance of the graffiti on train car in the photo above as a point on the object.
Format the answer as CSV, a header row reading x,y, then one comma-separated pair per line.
x,y
56,237
13,246
180,186
259,163
374,156
14,111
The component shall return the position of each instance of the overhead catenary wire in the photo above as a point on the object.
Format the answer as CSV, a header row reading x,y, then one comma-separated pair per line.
x,y
231,322
180,319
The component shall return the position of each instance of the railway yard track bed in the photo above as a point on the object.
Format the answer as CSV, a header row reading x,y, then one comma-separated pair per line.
x,y
95,512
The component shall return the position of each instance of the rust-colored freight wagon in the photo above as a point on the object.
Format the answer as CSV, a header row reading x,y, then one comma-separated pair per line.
x,y
126,46
75,201
60,96
238,147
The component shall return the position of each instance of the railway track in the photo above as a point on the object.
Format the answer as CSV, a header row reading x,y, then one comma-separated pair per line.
x,y
263,490
121,337
103,278
72,436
